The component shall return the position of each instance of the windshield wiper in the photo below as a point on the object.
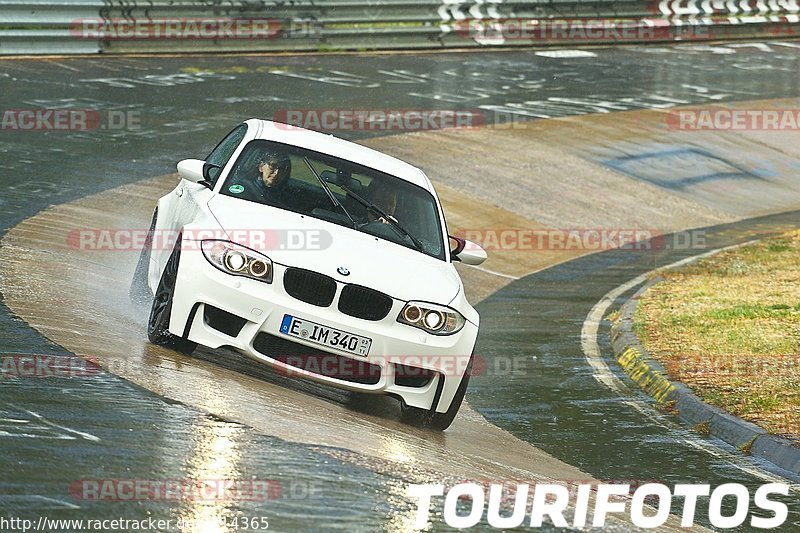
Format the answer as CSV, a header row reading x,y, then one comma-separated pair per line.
x,y
329,192
388,218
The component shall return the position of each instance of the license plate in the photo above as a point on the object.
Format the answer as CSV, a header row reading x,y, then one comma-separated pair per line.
x,y
325,335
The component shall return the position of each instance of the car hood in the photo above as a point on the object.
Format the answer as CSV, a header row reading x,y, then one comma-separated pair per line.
x,y
292,239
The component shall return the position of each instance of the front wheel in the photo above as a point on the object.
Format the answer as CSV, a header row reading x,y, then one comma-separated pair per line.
x,y
158,323
429,418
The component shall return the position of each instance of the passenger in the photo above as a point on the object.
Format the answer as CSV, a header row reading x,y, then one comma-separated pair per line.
x,y
384,199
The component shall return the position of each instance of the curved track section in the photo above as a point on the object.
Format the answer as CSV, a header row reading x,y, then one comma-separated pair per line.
x,y
90,315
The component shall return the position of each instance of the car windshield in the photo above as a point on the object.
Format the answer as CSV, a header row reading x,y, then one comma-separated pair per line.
x,y
337,191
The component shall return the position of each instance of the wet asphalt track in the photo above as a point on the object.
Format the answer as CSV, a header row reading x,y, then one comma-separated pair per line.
x,y
184,105
571,414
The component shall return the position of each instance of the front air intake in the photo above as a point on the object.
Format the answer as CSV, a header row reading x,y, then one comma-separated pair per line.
x,y
309,287
363,302
316,361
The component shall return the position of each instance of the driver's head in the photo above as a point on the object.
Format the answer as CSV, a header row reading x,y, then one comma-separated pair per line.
x,y
274,169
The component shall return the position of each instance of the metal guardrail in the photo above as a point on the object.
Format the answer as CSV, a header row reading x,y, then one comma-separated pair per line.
x,y
97,26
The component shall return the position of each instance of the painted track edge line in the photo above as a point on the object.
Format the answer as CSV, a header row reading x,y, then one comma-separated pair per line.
x,y
603,373
690,408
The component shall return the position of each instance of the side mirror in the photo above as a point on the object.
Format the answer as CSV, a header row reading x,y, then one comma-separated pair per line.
x,y
211,172
192,170
467,252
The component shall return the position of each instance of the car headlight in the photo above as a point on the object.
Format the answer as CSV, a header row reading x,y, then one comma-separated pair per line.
x,y
435,319
237,260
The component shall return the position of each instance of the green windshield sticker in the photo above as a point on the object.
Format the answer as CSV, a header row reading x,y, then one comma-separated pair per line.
x,y
236,189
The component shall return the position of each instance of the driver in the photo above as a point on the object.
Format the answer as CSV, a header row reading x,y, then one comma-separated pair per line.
x,y
273,173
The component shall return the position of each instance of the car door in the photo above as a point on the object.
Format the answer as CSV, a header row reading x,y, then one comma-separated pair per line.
x,y
196,195
182,206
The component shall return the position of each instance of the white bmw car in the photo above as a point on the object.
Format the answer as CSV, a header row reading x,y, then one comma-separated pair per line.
x,y
320,257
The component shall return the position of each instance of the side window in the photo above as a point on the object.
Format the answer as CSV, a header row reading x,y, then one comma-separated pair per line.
x,y
219,156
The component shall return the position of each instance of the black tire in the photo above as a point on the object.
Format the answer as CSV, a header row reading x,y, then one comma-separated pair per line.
x,y
140,292
158,323
429,418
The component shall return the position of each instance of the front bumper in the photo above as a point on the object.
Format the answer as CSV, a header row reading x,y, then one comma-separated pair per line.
x,y
263,306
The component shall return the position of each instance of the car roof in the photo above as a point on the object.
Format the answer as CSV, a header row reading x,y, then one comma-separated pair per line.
x,y
331,145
